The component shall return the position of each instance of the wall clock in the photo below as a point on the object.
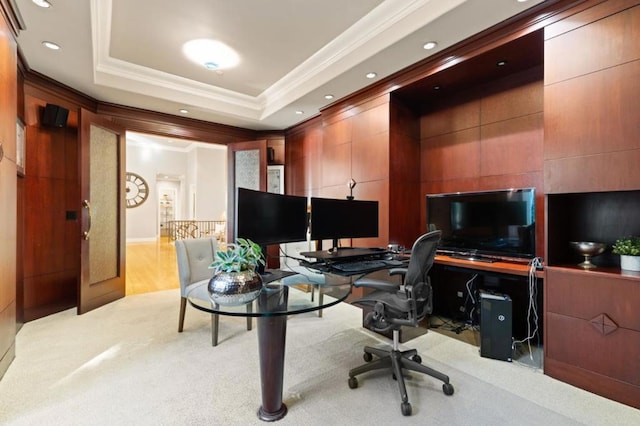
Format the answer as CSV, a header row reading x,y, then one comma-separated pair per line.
x,y
136,190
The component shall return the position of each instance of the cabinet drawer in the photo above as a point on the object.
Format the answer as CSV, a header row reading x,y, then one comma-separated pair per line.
x,y
585,295
576,342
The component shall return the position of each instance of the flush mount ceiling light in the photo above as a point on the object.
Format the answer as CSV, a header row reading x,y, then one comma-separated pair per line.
x,y
42,3
328,97
51,45
184,111
429,45
371,75
211,54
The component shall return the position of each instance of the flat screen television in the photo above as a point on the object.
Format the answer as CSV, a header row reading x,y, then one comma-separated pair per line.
x,y
268,218
494,224
333,219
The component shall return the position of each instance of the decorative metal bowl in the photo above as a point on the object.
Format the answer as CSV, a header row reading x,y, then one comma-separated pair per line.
x,y
588,249
235,288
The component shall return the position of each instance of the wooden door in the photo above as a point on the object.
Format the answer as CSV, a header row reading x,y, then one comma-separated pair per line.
x,y
102,251
247,168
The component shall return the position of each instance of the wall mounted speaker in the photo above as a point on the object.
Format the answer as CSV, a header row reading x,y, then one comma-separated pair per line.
x,y
54,116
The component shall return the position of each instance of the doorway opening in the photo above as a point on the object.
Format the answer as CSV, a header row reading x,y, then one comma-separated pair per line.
x,y
187,193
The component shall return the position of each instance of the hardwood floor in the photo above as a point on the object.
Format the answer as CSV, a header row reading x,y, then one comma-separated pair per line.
x,y
151,267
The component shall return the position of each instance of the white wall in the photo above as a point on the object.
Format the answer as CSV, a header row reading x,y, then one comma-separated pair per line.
x,y
211,198
198,166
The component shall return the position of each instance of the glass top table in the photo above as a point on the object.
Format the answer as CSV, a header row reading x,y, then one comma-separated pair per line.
x,y
275,299
275,302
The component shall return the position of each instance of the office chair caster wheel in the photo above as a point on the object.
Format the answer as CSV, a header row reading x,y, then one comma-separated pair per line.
x,y
417,358
447,388
353,383
405,407
367,357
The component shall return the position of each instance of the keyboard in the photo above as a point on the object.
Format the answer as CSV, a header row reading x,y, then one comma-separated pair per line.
x,y
365,265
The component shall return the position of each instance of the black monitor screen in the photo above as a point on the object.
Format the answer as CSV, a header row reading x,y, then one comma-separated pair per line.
x,y
335,219
268,218
499,223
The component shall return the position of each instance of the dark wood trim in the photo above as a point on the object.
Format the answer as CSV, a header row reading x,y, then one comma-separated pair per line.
x,y
589,12
157,123
301,127
43,87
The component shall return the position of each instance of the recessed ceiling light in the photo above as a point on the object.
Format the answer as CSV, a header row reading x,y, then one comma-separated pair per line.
x,y
211,54
372,75
501,63
429,45
184,111
51,45
328,97
436,87
42,3
299,112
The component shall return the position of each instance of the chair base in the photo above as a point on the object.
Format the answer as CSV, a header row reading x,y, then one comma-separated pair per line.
x,y
396,361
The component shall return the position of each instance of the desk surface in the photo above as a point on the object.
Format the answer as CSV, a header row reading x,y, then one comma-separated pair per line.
x,y
275,299
510,268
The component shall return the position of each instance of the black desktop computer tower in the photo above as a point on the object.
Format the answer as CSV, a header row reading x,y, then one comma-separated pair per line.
x,y
496,335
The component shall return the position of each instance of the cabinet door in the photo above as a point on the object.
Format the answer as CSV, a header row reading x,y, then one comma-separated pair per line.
x,y
592,331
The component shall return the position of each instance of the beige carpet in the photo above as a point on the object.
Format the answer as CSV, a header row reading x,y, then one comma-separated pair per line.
x,y
125,364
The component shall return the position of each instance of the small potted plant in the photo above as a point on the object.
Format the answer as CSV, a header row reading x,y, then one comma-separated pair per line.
x,y
235,280
629,250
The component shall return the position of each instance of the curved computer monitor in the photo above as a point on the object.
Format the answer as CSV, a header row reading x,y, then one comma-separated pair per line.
x,y
333,219
267,218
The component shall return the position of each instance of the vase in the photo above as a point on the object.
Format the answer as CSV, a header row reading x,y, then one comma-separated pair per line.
x,y
235,288
630,263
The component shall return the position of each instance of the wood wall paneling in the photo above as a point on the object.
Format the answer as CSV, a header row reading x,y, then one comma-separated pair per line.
x,y
611,171
336,133
52,208
451,156
336,164
370,123
404,175
593,114
512,146
521,94
370,158
614,35
464,115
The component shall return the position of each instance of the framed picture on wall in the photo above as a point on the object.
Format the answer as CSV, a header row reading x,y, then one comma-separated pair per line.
x,y
275,179
20,148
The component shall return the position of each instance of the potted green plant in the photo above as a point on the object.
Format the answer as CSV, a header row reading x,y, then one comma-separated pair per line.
x,y
235,280
629,250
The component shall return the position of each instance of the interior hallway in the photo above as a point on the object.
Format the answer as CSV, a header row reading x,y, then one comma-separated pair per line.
x,y
151,267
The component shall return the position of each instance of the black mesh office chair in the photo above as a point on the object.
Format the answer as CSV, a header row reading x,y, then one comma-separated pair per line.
x,y
394,307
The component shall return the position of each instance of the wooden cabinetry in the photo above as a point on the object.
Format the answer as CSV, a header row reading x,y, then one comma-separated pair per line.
x,y
592,331
592,182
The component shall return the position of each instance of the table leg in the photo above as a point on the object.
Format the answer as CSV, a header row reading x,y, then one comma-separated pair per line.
x,y
272,333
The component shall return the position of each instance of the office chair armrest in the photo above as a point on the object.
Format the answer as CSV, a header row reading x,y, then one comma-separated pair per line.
x,y
376,284
398,271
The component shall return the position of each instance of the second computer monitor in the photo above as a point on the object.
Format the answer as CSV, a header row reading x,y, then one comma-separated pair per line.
x,y
333,219
268,218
